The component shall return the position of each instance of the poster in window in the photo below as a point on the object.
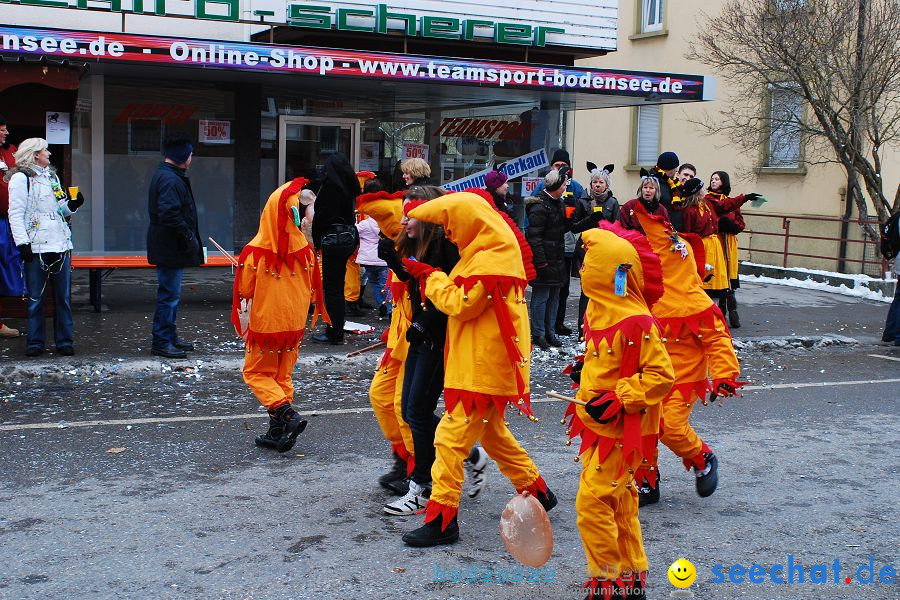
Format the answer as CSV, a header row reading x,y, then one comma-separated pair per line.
x,y
58,127
215,132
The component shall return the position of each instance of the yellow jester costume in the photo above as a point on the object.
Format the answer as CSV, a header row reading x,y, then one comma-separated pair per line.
x,y
486,353
625,376
700,346
276,274
387,383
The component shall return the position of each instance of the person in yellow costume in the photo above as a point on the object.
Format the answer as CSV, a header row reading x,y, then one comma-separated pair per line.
x,y
700,346
624,378
387,383
276,274
486,354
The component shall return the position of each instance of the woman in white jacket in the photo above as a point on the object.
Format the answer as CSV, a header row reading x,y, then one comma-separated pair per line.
x,y
38,209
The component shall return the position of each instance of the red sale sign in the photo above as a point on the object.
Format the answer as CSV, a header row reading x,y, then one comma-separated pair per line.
x,y
215,132
415,151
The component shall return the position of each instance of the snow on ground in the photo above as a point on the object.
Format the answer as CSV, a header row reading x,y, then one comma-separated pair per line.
x,y
860,292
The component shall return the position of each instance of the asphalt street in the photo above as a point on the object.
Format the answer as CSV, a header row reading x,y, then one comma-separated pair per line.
x,y
126,476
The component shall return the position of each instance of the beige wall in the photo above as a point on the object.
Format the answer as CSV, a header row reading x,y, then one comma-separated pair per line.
x,y
605,136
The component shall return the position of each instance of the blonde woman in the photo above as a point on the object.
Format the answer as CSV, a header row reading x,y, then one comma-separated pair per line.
x,y
415,172
38,209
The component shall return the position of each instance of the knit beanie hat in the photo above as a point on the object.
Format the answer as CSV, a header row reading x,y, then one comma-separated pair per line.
x,y
179,152
668,161
692,186
495,179
561,156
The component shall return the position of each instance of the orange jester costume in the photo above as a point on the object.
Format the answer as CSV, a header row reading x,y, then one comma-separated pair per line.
x,y
486,354
700,346
625,376
387,383
276,274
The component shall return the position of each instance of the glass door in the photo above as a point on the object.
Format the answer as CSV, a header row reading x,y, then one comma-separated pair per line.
x,y
305,142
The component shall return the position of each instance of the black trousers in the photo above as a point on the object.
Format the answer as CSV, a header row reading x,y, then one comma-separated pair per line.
x,y
423,382
334,270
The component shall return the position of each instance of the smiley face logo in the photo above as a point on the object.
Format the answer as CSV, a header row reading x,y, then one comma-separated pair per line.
x,y
682,573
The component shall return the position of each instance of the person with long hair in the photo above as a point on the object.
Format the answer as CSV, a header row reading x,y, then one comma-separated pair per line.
x,y
423,379
38,209
698,216
335,225
731,223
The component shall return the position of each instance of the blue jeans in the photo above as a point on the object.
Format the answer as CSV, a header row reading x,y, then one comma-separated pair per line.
x,y
892,325
36,280
542,312
423,382
168,295
377,277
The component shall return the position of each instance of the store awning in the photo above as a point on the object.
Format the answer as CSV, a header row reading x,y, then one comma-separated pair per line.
x,y
436,81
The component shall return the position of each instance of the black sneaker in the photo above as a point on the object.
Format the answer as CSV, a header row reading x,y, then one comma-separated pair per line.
x,y
646,494
398,487
547,499
292,426
430,534
708,478
382,310
397,473
186,346
66,351
33,351
539,342
352,310
329,337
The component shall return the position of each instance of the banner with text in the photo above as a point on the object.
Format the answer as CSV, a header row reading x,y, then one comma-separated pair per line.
x,y
513,168
224,54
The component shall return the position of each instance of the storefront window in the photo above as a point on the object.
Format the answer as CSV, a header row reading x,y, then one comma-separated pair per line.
x,y
138,116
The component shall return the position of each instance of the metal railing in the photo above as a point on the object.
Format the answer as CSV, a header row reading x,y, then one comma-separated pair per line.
x,y
788,236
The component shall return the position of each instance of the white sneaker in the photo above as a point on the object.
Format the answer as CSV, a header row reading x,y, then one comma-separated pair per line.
x,y
8,332
476,472
413,503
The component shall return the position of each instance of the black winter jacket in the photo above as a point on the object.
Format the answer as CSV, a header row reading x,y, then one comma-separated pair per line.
x,y
547,226
173,238
665,198
583,219
333,205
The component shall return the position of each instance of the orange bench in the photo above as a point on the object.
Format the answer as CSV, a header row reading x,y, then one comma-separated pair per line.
x,y
101,265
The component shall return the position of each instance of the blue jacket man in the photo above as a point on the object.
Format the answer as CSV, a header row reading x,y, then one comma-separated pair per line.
x,y
173,242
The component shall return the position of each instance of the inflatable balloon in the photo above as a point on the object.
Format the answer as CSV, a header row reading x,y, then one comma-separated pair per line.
x,y
526,530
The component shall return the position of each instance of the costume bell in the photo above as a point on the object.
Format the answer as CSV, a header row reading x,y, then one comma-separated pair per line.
x,y
624,378
386,388
276,274
700,346
487,354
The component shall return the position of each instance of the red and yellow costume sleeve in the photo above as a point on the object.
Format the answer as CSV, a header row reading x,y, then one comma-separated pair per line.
x,y
624,356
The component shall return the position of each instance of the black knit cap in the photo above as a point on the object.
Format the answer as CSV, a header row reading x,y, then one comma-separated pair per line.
x,y
667,161
692,186
561,155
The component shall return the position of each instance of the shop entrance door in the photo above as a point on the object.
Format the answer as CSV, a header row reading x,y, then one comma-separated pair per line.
x,y
304,142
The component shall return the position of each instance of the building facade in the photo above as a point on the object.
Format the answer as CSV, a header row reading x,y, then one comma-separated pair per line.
x,y
267,88
804,201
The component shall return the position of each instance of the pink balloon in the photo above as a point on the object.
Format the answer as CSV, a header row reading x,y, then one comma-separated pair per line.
x,y
526,530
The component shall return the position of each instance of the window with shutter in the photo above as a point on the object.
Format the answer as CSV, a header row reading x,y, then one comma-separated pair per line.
x,y
786,112
646,136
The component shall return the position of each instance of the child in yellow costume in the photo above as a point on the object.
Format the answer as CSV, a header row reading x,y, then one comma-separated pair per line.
x,y
699,344
486,354
276,272
625,376
387,383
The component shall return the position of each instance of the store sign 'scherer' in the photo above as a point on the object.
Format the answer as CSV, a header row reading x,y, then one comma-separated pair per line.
x,y
379,19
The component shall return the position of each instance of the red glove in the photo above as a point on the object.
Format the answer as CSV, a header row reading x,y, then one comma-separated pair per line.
x,y
605,408
418,269
725,387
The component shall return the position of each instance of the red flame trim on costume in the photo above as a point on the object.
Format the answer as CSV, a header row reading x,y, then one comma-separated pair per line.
x,y
709,317
363,199
433,510
538,486
631,327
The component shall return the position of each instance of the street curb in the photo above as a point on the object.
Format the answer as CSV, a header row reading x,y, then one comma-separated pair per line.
x,y
791,342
